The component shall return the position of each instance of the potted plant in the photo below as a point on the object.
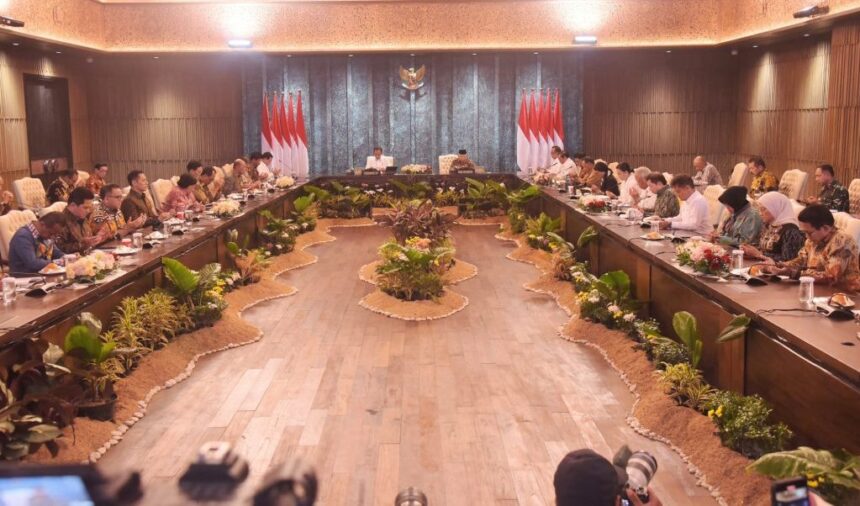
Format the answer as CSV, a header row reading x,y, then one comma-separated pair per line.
x,y
196,289
279,235
538,230
85,355
249,262
412,271
483,198
517,200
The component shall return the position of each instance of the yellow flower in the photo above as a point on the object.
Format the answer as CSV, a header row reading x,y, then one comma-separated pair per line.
x,y
719,412
710,413
617,315
813,483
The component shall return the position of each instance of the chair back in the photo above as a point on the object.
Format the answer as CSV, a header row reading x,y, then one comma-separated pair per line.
x,y
58,207
159,190
445,162
83,177
792,183
9,224
29,192
217,180
854,197
797,207
125,190
848,224
614,168
174,180
715,207
739,174
388,161
227,169
668,177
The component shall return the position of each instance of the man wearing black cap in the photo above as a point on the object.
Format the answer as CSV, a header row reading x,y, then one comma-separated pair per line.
x,y
584,478
462,162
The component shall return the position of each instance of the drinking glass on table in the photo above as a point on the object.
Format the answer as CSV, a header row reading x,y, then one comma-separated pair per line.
x,y
10,288
137,240
737,259
806,290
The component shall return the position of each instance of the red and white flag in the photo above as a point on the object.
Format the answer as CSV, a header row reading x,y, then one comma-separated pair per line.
x,y
534,135
277,136
295,165
544,143
265,128
523,145
302,139
286,130
558,123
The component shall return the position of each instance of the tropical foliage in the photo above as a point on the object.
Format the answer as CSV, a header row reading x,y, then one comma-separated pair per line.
x,y
278,235
517,200
836,475
196,289
484,198
339,201
249,263
744,424
538,230
413,271
419,218
305,209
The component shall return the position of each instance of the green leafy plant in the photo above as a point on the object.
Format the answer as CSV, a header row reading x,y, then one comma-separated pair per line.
x,y
687,329
665,352
278,235
608,301
415,191
305,209
484,198
419,218
537,230
86,353
413,271
249,263
836,475
736,328
744,425
517,199
339,201
685,385
195,289
447,197
587,235
564,257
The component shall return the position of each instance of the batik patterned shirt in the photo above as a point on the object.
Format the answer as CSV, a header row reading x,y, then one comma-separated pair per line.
x,y
763,183
833,261
834,196
667,204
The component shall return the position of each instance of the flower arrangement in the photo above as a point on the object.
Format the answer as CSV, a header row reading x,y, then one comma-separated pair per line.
x,y
413,271
594,204
704,257
225,208
284,182
608,300
92,267
415,169
542,178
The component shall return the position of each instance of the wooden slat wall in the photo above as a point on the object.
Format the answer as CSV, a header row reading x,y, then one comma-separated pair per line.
x,y
14,63
782,105
660,110
843,115
155,115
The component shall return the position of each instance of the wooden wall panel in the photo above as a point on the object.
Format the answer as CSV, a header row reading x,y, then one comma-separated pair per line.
x,y
660,110
155,115
843,115
14,63
782,105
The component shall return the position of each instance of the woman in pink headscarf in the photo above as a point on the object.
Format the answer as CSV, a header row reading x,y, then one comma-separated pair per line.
x,y
780,239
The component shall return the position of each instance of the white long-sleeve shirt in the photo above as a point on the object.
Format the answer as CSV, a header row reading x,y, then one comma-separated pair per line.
x,y
376,163
694,216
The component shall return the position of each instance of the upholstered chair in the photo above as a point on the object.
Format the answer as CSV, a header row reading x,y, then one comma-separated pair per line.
x,y
29,193
792,183
9,224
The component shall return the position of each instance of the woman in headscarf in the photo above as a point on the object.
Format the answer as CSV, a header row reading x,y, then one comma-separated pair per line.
x,y
780,239
743,224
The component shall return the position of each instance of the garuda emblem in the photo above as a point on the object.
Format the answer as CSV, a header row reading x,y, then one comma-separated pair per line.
x,y
412,79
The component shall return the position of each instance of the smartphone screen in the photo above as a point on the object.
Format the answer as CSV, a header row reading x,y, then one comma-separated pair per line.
x,y
792,495
53,490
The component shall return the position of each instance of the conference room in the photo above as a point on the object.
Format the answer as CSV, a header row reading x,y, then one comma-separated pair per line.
x,y
496,252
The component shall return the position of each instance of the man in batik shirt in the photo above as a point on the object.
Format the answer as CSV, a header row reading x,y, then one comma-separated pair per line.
x,y
833,195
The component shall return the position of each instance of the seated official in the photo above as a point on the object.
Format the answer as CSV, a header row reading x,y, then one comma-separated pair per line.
x,y
462,162
60,188
780,239
202,192
584,478
96,181
268,158
240,180
763,181
107,219
259,171
568,169
587,175
663,202
638,191
833,195
77,236
829,255
607,185
139,202
6,198
376,161
625,179
706,174
181,197
694,216
554,165
194,168
743,225
32,247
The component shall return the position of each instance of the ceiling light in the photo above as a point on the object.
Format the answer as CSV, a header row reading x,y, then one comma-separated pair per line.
x,y
812,10
806,34
289,56
668,50
155,57
239,43
411,54
16,44
755,46
474,54
59,52
535,52
734,52
585,39
349,55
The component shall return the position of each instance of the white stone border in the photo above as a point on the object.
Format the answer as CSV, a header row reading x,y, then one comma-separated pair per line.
x,y
363,303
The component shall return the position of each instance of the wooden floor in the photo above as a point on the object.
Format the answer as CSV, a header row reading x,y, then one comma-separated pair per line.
x,y
475,409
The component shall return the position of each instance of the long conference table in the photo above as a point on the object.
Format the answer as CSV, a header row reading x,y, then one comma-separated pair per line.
x,y
805,365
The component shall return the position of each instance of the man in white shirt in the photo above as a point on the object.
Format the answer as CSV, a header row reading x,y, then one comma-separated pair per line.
x,y
625,175
376,161
267,162
568,167
554,162
694,216
706,173
638,190
259,170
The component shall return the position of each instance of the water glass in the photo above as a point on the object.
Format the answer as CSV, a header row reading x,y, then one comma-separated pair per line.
x,y
10,288
737,259
137,240
806,291
571,189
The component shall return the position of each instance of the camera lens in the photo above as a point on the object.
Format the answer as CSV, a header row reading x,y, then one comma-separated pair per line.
x,y
411,497
640,470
